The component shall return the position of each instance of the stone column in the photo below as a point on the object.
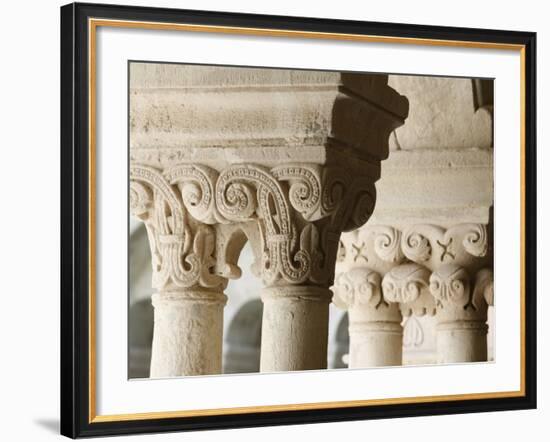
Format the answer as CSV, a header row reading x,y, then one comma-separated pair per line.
x,y
375,330
304,210
407,285
294,328
188,305
462,314
459,258
288,157
488,294
187,337
435,195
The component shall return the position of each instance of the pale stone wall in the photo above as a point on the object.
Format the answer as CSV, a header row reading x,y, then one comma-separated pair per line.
x,y
443,114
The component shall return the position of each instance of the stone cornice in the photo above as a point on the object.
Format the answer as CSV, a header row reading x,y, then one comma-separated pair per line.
x,y
180,118
439,186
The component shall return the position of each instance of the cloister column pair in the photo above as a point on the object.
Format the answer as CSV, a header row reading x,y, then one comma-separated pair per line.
x,y
427,248
385,275
286,160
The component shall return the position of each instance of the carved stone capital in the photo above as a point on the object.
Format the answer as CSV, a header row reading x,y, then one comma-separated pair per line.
x,y
181,248
299,209
374,324
484,286
465,245
408,285
359,290
457,296
357,287
461,313
405,283
377,247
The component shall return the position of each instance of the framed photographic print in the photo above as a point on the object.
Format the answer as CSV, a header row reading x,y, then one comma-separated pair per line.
x,y
278,220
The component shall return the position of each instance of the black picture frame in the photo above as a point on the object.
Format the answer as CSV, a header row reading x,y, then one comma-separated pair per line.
x,y
75,220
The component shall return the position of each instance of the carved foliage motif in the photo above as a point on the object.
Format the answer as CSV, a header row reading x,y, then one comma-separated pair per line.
x,y
408,285
484,286
181,252
413,334
405,283
301,210
387,243
455,294
424,244
408,259
356,287
432,245
450,285
378,247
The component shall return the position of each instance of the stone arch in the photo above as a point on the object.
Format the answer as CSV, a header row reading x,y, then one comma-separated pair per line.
x,y
234,240
341,343
244,309
140,309
140,338
243,339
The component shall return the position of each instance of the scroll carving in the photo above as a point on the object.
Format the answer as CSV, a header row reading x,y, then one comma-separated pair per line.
x,y
357,287
433,246
405,283
387,243
300,209
451,284
408,285
413,334
181,251
378,247
484,286
408,258
457,296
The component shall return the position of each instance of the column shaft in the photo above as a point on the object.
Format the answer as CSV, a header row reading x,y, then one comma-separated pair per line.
x,y
461,341
294,328
373,342
188,333
461,331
